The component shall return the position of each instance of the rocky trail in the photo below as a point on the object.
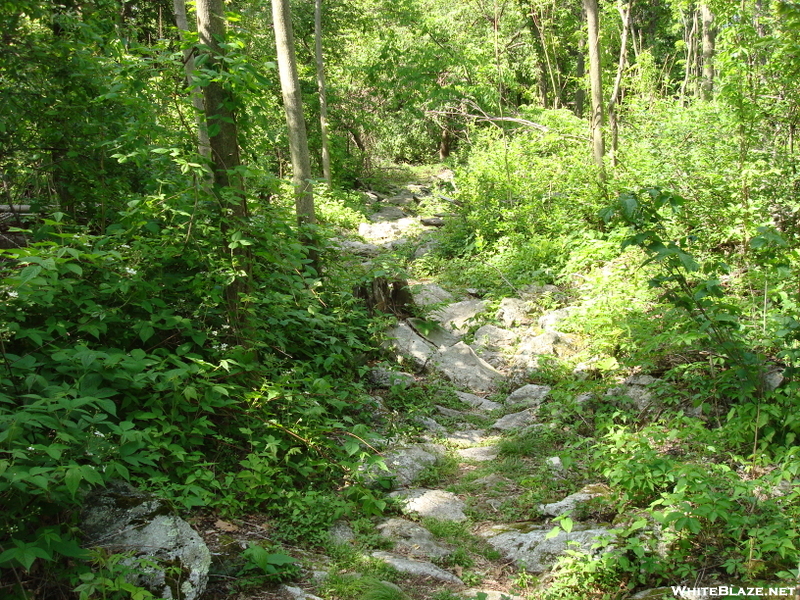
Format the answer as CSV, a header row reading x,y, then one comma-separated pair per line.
x,y
469,526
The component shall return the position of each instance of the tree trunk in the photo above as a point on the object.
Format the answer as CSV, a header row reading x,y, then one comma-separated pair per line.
x,y
225,162
293,105
596,80
625,15
709,35
203,144
444,143
323,96
580,74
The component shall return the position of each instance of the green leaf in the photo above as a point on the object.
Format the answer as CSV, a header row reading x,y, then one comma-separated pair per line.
x,y
73,479
146,332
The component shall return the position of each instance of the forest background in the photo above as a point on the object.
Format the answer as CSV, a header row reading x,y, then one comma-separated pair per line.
x,y
173,314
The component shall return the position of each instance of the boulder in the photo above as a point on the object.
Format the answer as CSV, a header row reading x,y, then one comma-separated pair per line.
x,y
515,420
413,539
296,593
416,568
382,377
528,547
635,388
432,221
387,213
497,338
121,518
387,231
433,332
341,533
408,345
462,366
404,465
477,402
456,317
479,454
551,320
429,293
438,504
530,394
513,311
573,502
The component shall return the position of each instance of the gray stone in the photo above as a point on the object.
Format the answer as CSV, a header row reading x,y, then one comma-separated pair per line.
x,y
341,533
473,594
528,547
640,379
530,394
430,424
413,539
773,380
479,454
416,568
405,465
638,393
449,412
408,345
120,518
438,504
535,290
477,402
387,231
432,222
492,480
358,248
467,438
515,420
491,336
554,464
429,293
551,320
513,311
545,343
387,213
662,593
583,398
425,248
433,332
385,378
456,317
462,366
574,501
296,593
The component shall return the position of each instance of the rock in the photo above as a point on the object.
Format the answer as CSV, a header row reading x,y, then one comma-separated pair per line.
x,y
382,377
491,336
640,395
582,399
413,539
492,480
429,293
416,568
529,548
473,594
124,519
388,230
467,438
439,504
432,222
357,248
554,464
433,332
297,593
550,321
513,311
387,213
530,394
430,424
535,290
587,369
662,593
477,402
455,317
404,464
390,296
544,343
425,248
773,379
479,454
341,533
449,412
515,420
408,345
573,502
640,379
462,366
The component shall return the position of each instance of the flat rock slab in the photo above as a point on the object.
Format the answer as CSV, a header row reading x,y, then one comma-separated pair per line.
x,y
477,402
532,395
463,367
529,548
551,320
430,293
438,504
387,213
416,568
413,539
456,316
513,311
433,332
383,377
471,437
387,231
515,420
449,412
480,454
574,501
358,248
430,424
296,593
491,336
408,345
406,464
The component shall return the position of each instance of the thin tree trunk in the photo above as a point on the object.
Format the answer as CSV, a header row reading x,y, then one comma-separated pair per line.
x,y
323,96
580,74
225,162
595,77
708,52
293,105
625,15
203,144
688,37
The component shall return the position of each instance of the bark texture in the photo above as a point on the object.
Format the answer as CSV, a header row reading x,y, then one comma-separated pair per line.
x,y
323,94
203,144
596,81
